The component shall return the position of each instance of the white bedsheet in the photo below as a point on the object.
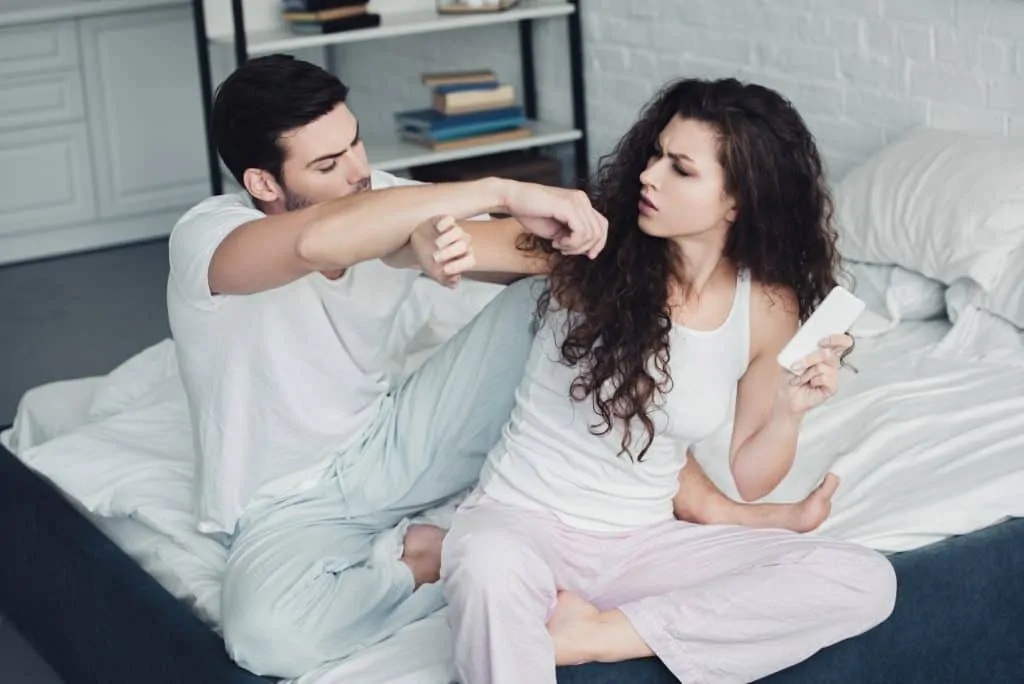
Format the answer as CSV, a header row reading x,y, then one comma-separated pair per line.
x,y
928,439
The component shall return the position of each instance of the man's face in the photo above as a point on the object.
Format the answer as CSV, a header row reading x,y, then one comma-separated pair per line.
x,y
324,160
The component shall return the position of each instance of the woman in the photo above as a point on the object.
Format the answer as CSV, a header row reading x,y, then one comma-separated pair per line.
x,y
719,243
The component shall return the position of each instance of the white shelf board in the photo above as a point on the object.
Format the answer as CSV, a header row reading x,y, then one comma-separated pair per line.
x,y
399,24
390,154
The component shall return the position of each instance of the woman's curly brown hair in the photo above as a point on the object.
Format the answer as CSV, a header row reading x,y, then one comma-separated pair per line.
x,y
783,234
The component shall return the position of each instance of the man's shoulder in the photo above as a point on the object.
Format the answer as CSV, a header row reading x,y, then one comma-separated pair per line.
x,y
226,203
212,219
196,235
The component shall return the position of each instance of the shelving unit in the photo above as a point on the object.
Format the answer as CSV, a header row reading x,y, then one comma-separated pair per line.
x,y
391,153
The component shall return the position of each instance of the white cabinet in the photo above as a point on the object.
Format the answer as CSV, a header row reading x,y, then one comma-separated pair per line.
x,y
101,131
145,111
46,179
31,100
38,47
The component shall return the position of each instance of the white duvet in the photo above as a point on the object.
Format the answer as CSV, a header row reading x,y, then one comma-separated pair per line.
x,y
928,439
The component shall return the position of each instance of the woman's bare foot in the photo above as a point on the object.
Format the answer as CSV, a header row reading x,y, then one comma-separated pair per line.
x,y
569,627
422,552
810,513
583,634
802,516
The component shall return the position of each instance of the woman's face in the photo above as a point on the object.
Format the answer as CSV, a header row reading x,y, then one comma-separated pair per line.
x,y
682,190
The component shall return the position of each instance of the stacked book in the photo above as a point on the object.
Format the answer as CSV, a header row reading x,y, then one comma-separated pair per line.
x,y
468,108
467,6
327,16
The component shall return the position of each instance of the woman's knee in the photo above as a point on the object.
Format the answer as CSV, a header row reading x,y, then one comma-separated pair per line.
x,y
870,581
878,579
488,561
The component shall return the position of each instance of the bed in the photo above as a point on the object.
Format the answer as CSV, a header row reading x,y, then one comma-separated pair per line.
x,y
111,583
96,616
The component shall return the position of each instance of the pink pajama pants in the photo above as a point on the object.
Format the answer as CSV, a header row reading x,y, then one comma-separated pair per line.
x,y
715,603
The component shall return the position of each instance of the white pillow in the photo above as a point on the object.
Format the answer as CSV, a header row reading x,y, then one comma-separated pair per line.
x,y
49,411
1006,299
947,205
893,294
133,379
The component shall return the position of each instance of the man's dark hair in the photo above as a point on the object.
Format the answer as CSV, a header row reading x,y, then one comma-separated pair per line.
x,y
264,98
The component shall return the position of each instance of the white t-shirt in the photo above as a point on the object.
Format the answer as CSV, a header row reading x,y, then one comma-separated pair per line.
x,y
548,460
280,381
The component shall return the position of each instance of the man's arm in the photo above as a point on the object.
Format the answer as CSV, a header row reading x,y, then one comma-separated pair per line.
x,y
334,235
275,250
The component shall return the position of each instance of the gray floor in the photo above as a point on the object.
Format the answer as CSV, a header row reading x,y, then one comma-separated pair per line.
x,y
78,315
70,317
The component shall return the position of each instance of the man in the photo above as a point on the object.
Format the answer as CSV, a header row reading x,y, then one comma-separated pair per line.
x,y
312,459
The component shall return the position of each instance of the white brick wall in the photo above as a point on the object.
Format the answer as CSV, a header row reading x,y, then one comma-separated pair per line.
x,y
862,72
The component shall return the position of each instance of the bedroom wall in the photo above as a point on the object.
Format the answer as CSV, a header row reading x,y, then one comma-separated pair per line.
x,y
861,71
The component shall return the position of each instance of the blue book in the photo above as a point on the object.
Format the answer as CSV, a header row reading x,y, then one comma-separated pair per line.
x,y
461,87
434,122
466,131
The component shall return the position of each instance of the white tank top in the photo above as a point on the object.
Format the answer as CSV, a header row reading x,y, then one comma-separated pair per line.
x,y
547,459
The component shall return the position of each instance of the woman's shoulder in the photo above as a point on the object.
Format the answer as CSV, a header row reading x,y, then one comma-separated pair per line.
x,y
774,300
774,315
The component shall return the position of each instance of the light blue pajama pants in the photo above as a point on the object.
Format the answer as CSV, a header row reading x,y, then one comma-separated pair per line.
x,y
312,578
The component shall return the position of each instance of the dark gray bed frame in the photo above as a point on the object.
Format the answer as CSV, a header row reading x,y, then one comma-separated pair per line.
x,y
97,617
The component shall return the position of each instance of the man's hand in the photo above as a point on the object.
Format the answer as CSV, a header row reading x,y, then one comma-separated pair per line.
x,y
422,553
565,217
442,250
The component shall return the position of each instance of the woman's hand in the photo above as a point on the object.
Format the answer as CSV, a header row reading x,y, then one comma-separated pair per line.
x,y
440,248
816,377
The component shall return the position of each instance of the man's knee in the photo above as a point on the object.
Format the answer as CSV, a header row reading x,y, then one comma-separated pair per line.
x,y
288,623
268,641
270,629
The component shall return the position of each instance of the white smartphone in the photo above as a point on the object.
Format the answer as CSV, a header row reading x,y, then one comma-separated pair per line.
x,y
837,312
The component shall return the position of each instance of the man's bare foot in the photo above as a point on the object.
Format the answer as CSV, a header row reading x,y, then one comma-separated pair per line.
x,y
422,553
570,628
810,513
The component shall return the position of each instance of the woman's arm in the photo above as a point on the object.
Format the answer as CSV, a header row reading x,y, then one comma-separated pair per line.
x,y
494,247
771,402
765,429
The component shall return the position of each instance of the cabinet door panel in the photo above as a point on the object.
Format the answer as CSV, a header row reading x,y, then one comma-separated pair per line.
x,y
145,115
45,176
37,47
40,99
